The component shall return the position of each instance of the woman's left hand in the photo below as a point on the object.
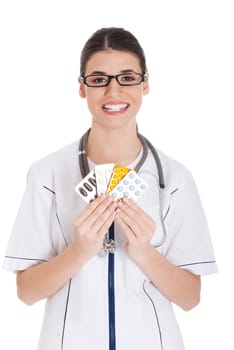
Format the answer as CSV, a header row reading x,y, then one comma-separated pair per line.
x,y
138,227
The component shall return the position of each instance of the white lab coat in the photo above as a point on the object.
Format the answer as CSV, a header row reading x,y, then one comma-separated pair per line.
x,y
76,317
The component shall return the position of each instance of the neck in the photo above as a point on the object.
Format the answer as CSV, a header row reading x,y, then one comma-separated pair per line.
x,y
113,146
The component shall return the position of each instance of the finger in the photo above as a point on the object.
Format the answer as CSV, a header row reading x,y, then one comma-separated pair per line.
x,y
127,230
138,221
100,221
132,216
143,220
129,221
133,206
106,225
94,210
90,208
101,211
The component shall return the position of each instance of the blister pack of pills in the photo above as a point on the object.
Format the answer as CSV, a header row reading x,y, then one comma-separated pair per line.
x,y
87,188
103,174
116,180
131,186
118,173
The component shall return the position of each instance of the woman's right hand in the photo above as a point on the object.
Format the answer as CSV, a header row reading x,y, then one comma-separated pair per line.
x,y
45,279
92,224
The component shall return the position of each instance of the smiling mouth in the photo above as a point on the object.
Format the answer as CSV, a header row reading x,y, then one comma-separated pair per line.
x,y
118,107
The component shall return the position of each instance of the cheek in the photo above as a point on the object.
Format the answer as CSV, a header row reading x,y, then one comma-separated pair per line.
x,y
93,96
138,99
90,105
93,102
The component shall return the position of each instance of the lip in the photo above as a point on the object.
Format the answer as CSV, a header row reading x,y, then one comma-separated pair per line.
x,y
115,107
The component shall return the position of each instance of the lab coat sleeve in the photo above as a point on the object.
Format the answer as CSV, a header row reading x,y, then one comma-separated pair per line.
x,y
30,242
188,244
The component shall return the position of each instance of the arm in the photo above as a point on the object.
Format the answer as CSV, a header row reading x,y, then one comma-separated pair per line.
x,y
44,280
179,286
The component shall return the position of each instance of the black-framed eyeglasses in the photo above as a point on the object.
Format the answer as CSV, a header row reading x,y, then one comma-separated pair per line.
x,y
126,79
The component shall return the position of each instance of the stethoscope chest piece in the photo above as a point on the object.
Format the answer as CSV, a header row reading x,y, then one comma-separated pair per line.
x,y
109,245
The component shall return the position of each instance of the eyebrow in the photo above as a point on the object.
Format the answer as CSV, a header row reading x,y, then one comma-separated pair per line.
x,y
97,72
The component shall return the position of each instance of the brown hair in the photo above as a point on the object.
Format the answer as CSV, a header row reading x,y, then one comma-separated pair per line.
x,y
112,38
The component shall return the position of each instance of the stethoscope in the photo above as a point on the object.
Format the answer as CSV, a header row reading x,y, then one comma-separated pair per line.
x,y
109,244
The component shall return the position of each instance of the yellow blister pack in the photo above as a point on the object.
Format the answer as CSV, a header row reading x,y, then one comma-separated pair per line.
x,y
118,173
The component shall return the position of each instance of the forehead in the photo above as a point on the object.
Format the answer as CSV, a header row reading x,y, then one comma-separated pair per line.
x,y
112,62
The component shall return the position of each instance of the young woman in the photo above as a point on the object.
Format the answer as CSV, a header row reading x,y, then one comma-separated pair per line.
x,y
110,270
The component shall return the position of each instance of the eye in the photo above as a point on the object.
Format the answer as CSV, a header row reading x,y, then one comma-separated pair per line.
x,y
128,78
97,80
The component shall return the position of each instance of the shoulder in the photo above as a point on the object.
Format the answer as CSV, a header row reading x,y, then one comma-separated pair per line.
x,y
55,163
179,185
175,172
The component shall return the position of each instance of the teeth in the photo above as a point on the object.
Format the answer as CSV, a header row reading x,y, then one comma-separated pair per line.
x,y
115,107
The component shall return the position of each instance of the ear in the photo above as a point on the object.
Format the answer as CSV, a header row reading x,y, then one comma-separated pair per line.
x,y
146,85
81,89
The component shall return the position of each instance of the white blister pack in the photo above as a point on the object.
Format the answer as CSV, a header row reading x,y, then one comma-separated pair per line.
x,y
87,188
131,186
103,174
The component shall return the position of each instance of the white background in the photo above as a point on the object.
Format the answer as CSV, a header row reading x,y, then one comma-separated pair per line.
x,y
189,46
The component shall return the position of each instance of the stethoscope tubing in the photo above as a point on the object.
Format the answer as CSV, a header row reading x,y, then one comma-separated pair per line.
x,y
146,144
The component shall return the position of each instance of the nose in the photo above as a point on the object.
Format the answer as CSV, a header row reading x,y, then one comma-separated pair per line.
x,y
113,77
113,84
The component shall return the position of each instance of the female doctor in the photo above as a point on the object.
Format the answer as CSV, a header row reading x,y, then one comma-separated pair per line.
x,y
101,298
